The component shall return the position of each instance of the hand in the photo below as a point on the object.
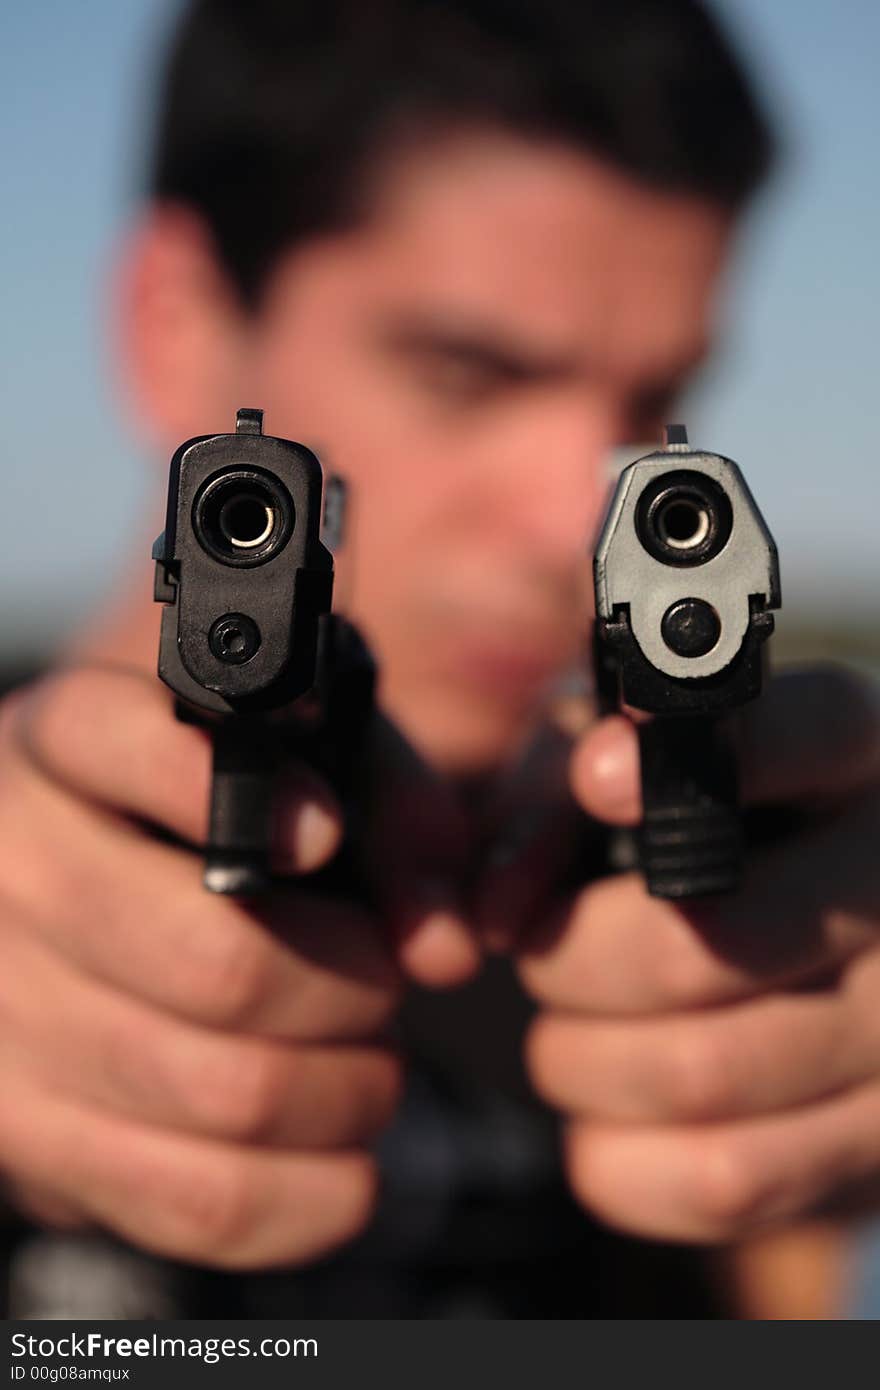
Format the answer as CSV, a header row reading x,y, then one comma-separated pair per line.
x,y
720,1065
200,1077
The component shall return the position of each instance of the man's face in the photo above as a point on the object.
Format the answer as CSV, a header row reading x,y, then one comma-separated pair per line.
x,y
467,357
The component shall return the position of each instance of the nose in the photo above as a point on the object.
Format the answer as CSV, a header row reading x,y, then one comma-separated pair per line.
x,y
548,494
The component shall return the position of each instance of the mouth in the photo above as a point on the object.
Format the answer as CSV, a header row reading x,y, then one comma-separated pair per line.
x,y
505,665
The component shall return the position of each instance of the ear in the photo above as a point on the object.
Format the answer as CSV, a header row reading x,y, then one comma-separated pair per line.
x,y
179,328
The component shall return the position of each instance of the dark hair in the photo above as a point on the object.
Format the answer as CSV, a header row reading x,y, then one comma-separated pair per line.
x,y
273,110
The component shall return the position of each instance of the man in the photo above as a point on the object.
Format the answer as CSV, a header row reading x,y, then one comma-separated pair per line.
x,y
462,250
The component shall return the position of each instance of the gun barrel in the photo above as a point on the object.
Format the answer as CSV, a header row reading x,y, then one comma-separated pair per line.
x,y
686,575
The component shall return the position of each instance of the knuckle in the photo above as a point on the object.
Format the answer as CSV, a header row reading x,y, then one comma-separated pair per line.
x,y
381,1099
700,1078
356,1199
365,1193
345,1101
382,1004
241,1096
46,1207
55,717
578,1164
540,1058
41,883
224,1223
682,975
345,1011
229,974
212,1213
728,1194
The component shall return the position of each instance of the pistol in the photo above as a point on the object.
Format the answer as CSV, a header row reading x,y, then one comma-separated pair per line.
x,y
249,644
686,577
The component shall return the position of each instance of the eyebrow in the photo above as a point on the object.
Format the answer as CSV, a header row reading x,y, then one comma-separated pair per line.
x,y
498,350
484,345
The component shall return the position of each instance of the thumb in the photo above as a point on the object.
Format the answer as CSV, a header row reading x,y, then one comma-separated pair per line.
x,y
604,772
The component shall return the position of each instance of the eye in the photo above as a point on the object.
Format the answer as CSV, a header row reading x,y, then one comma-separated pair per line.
x,y
462,379
647,412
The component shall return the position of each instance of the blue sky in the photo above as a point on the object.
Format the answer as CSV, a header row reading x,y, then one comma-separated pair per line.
x,y
793,397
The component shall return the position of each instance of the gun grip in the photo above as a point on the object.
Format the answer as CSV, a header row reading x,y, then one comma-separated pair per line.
x,y
237,856
691,841
248,753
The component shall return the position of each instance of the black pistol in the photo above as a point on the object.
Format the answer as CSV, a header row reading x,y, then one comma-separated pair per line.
x,y
686,575
248,643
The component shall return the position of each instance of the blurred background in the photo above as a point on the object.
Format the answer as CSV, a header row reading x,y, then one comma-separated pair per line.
x,y
792,395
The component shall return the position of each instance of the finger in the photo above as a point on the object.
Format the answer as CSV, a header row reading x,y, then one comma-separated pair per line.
x,y
813,736
86,1041
773,1053
110,735
414,855
136,916
721,1182
605,774
617,950
42,1206
191,1199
